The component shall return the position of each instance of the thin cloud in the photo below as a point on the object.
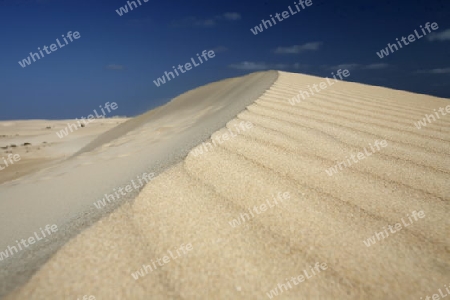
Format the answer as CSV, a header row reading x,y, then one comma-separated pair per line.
x,y
439,36
297,49
298,66
115,67
194,22
376,66
207,23
434,71
233,16
253,66
220,49
256,66
355,66
345,66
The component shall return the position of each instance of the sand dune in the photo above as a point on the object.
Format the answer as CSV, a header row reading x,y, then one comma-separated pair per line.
x,y
326,219
64,193
38,145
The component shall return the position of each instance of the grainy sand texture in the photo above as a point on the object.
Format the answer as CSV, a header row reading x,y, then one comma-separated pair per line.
x,y
65,192
205,201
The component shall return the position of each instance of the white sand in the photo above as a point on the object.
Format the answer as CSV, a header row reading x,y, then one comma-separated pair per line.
x,y
64,193
46,147
326,219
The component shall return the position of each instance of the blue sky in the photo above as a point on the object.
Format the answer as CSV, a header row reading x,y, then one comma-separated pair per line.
x,y
118,57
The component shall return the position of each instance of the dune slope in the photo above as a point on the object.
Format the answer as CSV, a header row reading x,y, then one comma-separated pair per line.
x,y
325,218
64,194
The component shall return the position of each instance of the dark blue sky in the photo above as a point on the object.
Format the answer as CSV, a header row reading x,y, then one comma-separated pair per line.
x,y
118,57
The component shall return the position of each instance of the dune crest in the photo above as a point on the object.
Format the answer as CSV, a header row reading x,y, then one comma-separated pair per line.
x,y
326,219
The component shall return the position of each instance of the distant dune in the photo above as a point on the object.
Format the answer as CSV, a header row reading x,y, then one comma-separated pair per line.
x,y
38,144
220,151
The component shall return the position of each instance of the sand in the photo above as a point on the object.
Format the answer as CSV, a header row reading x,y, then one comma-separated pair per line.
x,y
326,218
64,192
39,146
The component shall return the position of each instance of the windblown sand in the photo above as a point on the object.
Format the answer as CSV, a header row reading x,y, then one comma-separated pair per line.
x,y
39,146
64,192
326,219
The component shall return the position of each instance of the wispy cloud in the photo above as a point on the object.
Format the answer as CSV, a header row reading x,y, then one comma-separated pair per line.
x,y
254,66
115,67
355,66
434,71
220,49
233,16
298,66
248,65
439,36
297,49
376,66
209,22
345,66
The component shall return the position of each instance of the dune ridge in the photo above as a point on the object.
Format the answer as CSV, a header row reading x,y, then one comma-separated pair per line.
x,y
325,220
64,192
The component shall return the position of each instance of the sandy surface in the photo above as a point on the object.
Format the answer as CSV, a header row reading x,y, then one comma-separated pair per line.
x,y
64,193
325,220
39,146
